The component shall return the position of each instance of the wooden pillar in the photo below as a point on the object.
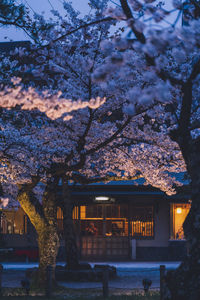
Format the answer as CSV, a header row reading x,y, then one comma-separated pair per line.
x,y
105,282
129,231
162,274
79,231
104,230
1,272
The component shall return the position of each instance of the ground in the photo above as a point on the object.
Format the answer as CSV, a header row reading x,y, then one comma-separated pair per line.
x,y
130,276
136,297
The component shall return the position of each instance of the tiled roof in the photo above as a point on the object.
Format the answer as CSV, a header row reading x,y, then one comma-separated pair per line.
x,y
8,46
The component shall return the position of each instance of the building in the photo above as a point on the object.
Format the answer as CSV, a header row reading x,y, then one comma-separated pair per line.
x,y
113,222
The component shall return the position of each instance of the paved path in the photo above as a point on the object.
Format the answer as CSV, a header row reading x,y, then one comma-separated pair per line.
x,y
118,265
130,274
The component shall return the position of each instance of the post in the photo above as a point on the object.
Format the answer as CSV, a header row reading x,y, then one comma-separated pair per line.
x,y
105,282
1,271
48,281
162,274
133,249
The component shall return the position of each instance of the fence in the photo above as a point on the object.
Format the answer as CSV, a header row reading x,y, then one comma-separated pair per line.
x,y
146,281
107,285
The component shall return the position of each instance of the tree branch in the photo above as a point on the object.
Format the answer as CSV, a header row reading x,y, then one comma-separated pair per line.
x,y
108,19
127,11
142,39
110,139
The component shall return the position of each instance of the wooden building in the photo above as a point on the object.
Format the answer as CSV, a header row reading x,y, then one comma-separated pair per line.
x,y
113,222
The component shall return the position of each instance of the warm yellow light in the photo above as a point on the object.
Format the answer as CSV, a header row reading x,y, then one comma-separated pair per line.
x,y
179,210
102,198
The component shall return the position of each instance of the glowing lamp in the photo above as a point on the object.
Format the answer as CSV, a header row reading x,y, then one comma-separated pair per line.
x,y
102,198
179,210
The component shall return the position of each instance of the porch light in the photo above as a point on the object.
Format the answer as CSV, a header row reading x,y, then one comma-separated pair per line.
x,y
102,198
179,210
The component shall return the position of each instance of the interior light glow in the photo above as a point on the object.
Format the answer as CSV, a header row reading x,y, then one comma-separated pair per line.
x,y
179,210
102,198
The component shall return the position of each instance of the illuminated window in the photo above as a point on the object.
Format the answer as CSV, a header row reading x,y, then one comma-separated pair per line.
x,y
116,220
178,213
142,224
91,220
60,220
112,220
13,222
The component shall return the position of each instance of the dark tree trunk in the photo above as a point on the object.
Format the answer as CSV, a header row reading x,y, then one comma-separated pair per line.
x,y
48,240
71,249
184,282
48,243
43,218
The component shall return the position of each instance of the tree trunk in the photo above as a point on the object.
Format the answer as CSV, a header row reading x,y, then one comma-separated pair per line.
x,y
43,218
48,244
184,282
71,249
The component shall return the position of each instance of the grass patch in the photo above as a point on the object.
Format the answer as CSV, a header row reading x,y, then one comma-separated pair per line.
x,y
79,294
133,297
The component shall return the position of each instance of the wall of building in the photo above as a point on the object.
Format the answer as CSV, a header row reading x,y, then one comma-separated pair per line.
x,y
161,226
19,241
156,248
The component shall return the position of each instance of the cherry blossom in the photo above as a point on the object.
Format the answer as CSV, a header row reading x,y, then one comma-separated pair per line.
x,y
93,109
166,59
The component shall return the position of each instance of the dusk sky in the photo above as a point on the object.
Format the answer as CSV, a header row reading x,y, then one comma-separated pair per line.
x,y
45,6
39,6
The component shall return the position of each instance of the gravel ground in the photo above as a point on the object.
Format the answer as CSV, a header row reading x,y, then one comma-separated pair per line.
x,y
12,278
133,280
125,280
130,275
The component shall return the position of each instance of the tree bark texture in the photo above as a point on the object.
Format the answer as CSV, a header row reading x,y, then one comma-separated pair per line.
x,y
184,282
43,218
48,244
71,249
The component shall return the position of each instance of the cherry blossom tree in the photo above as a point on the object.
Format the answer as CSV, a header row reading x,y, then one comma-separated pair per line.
x,y
24,163
168,61
35,149
27,64
104,139
51,71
